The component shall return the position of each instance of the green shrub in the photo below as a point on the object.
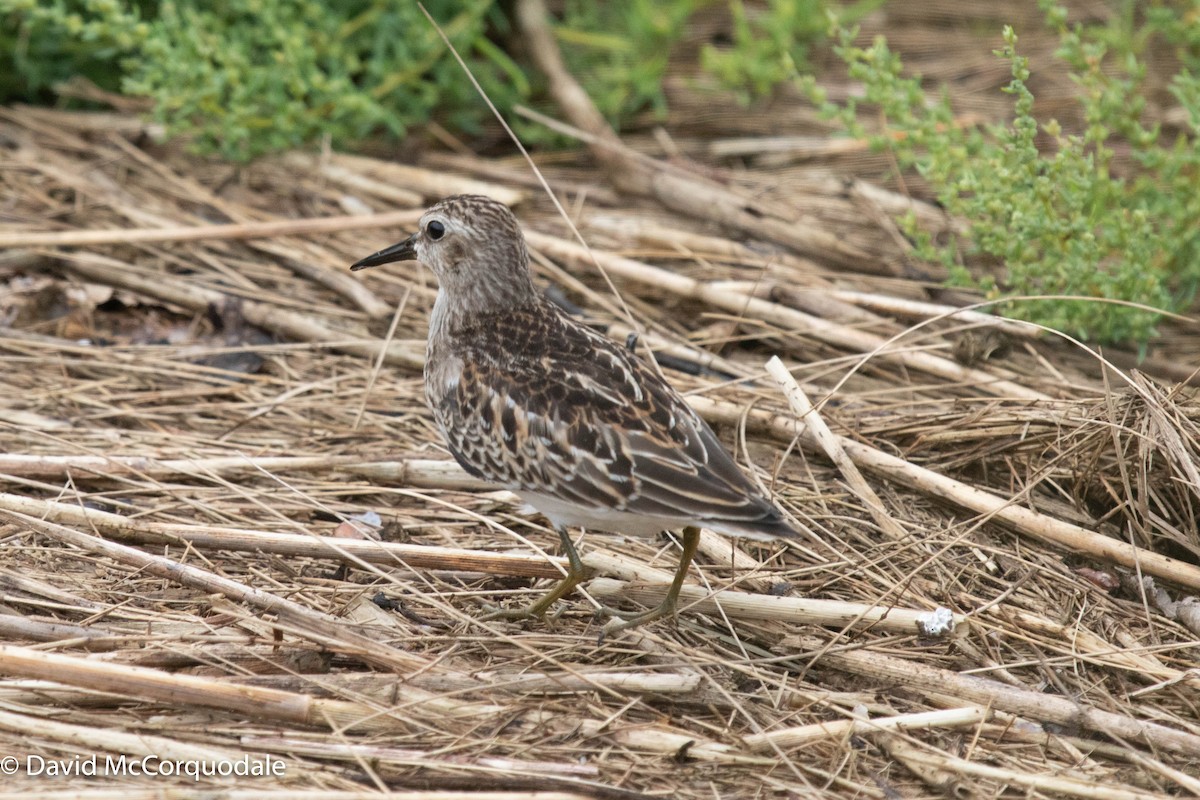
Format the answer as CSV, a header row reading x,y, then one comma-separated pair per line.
x,y
1062,222
243,77
770,49
619,50
48,42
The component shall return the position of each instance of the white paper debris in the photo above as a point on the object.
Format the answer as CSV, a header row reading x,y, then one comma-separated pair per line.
x,y
939,622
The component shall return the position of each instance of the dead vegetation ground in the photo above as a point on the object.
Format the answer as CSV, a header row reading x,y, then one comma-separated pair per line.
x,y
198,400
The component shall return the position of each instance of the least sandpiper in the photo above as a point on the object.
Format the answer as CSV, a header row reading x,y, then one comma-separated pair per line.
x,y
574,423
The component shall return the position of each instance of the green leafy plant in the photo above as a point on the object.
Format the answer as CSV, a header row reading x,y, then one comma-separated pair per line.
x,y
243,77
619,50
1060,221
767,49
49,42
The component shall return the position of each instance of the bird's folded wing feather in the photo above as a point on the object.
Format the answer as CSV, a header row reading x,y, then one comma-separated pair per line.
x,y
592,425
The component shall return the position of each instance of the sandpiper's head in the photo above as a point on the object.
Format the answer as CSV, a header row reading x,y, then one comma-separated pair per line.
x,y
474,246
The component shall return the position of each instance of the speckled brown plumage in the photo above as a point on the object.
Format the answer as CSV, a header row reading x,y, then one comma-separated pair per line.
x,y
545,405
573,422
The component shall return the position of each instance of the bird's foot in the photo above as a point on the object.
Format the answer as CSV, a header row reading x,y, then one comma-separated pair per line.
x,y
493,612
532,611
539,607
626,620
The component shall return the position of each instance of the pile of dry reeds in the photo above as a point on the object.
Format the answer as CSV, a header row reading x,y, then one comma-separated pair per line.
x,y
229,532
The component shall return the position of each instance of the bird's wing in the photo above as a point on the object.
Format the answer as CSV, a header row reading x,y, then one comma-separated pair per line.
x,y
588,423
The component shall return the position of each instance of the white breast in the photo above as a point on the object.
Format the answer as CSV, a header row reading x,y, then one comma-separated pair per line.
x,y
572,515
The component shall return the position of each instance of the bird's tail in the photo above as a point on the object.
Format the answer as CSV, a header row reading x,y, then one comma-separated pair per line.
x,y
770,527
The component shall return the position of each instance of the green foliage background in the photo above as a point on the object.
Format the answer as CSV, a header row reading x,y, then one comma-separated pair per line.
x,y
246,77
1062,221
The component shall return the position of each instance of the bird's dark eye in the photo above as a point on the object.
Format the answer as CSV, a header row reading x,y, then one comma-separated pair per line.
x,y
436,230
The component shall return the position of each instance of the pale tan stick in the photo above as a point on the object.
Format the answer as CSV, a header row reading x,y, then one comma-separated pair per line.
x,y
379,686
1072,538
650,738
433,184
13,627
512,174
112,740
290,324
916,676
797,148
680,687
382,754
419,473
654,232
191,233
14,579
910,754
33,421
817,302
830,444
788,318
803,735
742,605
215,538
192,691
124,120
323,268
901,307
672,683
352,179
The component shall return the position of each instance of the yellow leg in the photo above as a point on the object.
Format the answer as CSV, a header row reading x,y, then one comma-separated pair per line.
x,y
691,539
576,572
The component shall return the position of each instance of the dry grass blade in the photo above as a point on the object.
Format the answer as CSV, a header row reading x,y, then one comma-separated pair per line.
x,y
807,734
183,690
923,761
232,539
994,694
806,412
249,230
297,619
796,610
225,532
